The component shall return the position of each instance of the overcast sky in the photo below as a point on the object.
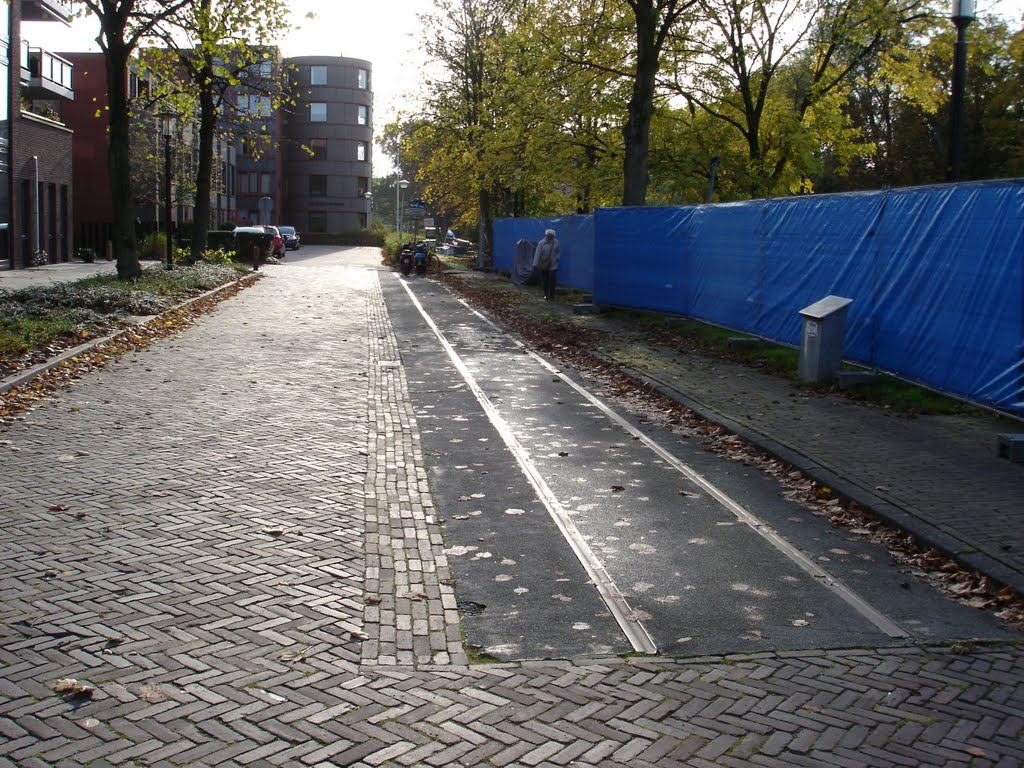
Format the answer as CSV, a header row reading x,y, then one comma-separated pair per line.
x,y
384,32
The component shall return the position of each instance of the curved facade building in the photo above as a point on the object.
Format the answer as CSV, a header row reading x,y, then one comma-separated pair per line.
x,y
328,144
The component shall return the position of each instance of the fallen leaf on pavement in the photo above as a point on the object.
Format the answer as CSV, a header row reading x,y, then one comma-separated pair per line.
x,y
70,687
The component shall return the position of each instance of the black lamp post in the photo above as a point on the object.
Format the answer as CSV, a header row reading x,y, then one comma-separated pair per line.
x,y
963,14
167,121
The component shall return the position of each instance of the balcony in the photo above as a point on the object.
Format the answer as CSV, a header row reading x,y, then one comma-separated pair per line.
x,y
46,10
45,75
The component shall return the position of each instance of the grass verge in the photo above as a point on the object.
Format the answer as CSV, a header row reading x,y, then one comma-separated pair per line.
x,y
40,321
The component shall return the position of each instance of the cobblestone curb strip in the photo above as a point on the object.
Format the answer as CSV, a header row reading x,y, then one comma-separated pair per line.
x,y
219,293
411,615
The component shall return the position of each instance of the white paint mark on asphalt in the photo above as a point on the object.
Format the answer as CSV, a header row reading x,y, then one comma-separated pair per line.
x,y
631,626
819,574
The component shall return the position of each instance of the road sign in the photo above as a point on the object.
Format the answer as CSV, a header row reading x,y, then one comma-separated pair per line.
x,y
266,205
417,209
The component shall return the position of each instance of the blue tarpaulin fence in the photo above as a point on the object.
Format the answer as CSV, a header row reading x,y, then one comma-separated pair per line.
x,y
575,239
936,274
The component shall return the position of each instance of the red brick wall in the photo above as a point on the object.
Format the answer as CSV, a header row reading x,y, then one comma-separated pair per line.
x,y
50,142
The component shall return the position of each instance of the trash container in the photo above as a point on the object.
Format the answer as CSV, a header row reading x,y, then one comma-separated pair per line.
x,y
821,344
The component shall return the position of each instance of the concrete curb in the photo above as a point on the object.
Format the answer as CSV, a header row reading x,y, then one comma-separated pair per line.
x,y
23,377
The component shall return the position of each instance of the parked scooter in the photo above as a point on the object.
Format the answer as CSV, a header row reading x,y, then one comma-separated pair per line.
x,y
420,259
405,261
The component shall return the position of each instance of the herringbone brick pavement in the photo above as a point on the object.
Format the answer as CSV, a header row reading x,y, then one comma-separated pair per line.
x,y
194,534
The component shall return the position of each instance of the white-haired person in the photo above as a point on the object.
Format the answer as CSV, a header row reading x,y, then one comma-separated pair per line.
x,y
546,260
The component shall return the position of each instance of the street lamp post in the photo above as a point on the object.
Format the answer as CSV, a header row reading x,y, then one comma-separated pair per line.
x,y
369,210
167,121
963,14
402,184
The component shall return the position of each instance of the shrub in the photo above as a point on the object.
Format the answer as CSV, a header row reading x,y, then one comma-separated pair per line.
x,y
218,256
244,242
153,247
221,240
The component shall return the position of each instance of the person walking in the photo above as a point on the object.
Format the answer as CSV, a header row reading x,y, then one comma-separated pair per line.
x,y
546,260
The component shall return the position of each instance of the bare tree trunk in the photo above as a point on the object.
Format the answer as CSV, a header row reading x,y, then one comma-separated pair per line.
x,y
651,28
204,170
119,158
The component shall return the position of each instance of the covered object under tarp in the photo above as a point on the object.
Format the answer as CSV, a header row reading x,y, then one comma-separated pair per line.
x,y
523,272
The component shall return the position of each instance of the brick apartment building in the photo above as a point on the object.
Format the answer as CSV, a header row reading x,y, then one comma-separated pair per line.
x,y
36,191
313,170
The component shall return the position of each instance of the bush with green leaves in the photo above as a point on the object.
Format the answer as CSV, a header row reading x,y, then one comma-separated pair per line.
x,y
153,247
219,256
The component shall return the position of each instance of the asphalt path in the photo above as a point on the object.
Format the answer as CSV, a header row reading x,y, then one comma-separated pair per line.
x,y
575,528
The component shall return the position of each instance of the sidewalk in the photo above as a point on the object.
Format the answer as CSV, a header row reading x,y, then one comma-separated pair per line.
x,y
937,477
229,539
12,279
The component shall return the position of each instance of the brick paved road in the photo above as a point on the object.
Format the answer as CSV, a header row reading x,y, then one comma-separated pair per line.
x,y
249,573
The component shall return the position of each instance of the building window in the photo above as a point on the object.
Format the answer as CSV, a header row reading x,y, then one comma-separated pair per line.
x,y
319,147
364,79
253,105
317,186
362,150
318,112
362,186
363,118
266,68
363,221
318,75
265,185
318,221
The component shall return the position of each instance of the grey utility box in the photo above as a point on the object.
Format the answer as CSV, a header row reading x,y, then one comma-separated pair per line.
x,y
821,344
1011,446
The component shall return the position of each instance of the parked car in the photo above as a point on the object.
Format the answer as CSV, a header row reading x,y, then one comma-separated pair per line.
x,y
274,232
292,241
